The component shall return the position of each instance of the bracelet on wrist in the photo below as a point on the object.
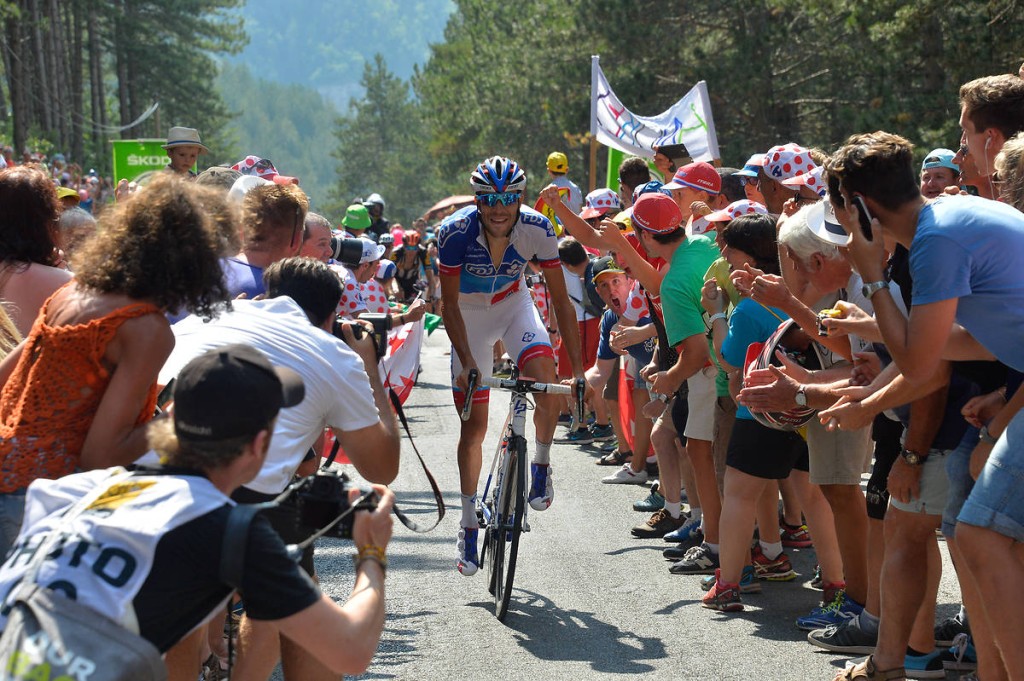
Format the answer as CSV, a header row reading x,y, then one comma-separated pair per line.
x,y
373,553
715,317
987,437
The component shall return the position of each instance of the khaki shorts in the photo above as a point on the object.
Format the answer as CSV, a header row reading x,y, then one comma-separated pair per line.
x,y
725,416
700,424
839,457
934,486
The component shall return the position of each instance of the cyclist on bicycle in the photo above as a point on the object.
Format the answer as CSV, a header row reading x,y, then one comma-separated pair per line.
x,y
483,252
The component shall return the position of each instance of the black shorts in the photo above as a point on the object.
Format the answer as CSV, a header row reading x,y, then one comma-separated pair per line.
x,y
764,452
680,412
284,520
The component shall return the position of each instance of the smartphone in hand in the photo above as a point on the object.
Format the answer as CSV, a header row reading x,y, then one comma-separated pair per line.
x,y
864,217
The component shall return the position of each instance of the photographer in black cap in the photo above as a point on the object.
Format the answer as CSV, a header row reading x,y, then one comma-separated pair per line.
x,y
167,525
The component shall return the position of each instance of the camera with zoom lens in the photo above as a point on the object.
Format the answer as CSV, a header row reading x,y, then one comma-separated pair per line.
x,y
320,499
381,323
347,251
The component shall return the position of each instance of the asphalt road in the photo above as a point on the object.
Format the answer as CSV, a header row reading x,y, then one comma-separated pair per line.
x,y
590,601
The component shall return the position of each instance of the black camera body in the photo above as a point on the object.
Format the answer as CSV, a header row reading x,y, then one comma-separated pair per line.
x,y
534,279
319,500
381,323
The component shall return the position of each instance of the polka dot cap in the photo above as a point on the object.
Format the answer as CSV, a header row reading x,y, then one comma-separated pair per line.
x,y
810,179
736,209
787,160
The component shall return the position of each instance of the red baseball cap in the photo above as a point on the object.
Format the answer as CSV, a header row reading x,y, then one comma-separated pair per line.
x,y
697,175
657,213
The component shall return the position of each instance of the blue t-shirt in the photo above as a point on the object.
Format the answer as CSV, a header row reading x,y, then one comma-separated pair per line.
x,y
641,352
973,249
241,277
750,322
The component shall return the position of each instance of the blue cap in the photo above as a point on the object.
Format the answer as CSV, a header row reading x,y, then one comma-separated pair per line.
x,y
752,168
940,158
647,188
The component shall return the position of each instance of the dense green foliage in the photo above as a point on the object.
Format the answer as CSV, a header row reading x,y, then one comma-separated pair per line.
x,y
292,125
79,72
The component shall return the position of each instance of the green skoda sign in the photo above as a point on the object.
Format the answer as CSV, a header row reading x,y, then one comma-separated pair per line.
x,y
134,157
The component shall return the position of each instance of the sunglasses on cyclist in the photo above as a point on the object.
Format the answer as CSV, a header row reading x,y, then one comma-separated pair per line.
x,y
504,198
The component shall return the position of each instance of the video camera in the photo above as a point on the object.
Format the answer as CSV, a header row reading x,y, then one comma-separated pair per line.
x,y
322,505
381,323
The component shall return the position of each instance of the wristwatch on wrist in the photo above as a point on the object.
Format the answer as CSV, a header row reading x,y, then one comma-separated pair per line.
x,y
987,437
912,457
872,288
801,396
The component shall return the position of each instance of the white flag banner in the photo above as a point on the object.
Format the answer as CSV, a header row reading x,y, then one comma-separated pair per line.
x,y
687,122
401,363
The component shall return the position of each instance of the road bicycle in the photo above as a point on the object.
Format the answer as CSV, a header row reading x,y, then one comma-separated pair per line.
x,y
503,507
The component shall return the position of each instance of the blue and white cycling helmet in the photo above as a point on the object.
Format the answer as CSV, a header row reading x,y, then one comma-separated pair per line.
x,y
496,175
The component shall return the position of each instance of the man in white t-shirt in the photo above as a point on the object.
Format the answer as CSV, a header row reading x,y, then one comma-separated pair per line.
x,y
292,327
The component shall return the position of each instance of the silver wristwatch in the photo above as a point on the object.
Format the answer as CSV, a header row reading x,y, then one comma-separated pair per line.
x,y
874,287
801,396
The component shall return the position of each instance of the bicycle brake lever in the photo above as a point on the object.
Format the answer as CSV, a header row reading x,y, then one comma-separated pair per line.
x,y
467,407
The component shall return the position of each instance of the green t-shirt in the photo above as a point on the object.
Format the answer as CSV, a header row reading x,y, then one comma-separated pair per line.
x,y
680,289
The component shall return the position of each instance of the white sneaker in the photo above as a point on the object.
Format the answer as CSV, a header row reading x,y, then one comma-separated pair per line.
x,y
626,476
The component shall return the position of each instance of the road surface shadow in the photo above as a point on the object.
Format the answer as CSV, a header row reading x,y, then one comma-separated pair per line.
x,y
551,633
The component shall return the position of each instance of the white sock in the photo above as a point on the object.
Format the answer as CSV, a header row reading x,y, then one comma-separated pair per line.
x,y
542,453
674,508
771,551
469,511
697,516
653,458
713,547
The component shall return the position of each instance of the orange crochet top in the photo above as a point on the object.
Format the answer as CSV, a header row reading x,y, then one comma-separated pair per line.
x,y
48,404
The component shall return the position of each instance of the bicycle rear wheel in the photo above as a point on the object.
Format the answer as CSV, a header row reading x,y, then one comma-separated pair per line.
x,y
505,532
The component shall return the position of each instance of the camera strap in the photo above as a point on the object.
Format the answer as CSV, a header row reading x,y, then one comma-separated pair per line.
x,y
438,498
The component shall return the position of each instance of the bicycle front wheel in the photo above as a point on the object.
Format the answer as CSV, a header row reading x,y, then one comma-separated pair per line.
x,y
505,533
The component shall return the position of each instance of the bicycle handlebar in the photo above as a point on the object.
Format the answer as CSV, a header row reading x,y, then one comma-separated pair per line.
x,y
527,385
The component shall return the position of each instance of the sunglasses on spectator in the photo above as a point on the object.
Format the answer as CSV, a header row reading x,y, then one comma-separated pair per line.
x,y
504,198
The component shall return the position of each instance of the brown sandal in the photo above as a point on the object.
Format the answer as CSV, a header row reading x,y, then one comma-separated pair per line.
x,y
867,671
615,458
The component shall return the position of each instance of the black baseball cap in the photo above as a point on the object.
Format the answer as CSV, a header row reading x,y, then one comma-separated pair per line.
x,y
229,392
606,265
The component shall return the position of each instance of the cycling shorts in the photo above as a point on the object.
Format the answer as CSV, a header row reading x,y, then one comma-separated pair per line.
x,y
513,320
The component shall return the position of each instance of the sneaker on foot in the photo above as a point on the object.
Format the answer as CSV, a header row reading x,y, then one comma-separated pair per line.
x,y
602,433
610,447
927,666
947,630
686,532
469,559
829,591
679,551
654,501
724,597
657,525
580,436
795,536
846,637
836,612
541,490
626,476
748,581
698,561
777,570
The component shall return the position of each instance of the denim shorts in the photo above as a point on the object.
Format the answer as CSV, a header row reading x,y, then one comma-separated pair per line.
x,y
12,511
958,465
996,502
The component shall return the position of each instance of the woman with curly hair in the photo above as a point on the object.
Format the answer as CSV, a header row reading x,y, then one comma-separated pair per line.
x,y
28,244
78,392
